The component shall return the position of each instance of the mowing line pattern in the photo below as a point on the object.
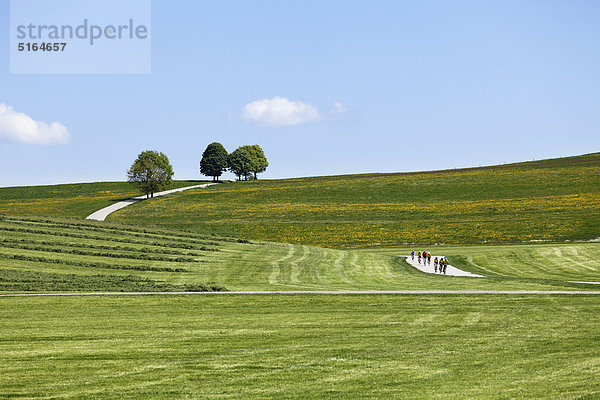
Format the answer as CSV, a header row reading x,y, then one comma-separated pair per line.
x,y
34,258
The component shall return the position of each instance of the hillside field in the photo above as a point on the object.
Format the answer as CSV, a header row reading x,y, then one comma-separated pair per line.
x,y
76,200
552,200
50,254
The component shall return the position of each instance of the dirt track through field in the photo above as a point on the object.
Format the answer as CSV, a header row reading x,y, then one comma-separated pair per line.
x,y
429,268
101,215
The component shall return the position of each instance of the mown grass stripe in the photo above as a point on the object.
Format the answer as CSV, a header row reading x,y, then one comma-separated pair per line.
x,y
106,238
83,245
139,256
120,228
117,231
42,259
36,281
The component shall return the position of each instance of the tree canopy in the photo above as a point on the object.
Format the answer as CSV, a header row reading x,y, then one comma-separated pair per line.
x,y
247,161
214,160
259,160
152,171
240,162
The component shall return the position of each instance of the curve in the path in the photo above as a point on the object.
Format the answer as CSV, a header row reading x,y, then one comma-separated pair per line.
x,y
101,215
429,268
453,271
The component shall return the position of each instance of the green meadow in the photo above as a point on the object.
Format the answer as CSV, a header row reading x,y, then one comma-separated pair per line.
x,y
529,226
300,347
552,200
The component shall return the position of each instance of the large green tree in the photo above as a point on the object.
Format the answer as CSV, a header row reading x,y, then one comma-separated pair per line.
x,y
152,171
259,160
241,162
214,160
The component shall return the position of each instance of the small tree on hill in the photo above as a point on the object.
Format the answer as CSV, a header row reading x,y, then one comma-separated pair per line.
x,y
259,160
240,163
152,171
214,160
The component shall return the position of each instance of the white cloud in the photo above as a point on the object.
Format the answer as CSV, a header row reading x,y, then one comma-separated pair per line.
x,y
339,108
20,127
280,111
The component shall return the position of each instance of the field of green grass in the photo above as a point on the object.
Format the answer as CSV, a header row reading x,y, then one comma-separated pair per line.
x,y
300,347
53,254
552,200
218,345
69,200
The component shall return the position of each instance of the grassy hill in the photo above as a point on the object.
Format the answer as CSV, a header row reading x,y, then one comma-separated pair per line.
x,y
549,200
70,200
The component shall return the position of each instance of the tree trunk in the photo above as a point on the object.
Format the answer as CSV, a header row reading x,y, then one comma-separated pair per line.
x,y
152,195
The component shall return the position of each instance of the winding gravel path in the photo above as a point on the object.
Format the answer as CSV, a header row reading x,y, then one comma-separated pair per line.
x,y
101,215
429,268
325,292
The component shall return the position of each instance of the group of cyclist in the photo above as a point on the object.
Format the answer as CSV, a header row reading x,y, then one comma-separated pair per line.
x,y
439,264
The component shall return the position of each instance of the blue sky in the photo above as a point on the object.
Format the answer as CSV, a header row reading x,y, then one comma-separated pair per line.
x,y
377,86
